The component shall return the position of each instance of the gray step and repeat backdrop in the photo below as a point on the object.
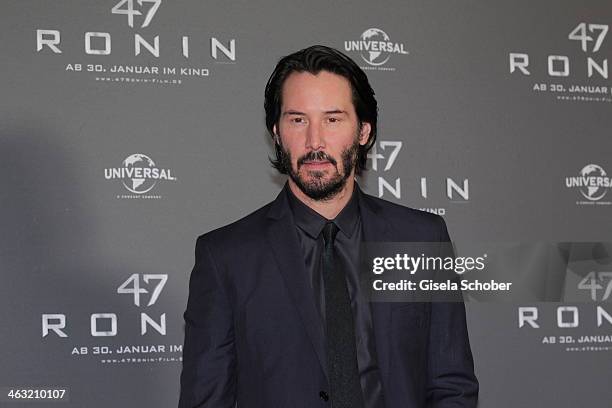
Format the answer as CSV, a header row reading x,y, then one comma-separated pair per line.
x,y
127,128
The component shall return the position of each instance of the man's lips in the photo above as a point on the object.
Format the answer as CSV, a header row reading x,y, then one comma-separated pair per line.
x,y
316,163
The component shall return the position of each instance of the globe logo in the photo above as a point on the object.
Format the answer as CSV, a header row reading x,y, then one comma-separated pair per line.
x,y
137,181
375,57
590,191
138,174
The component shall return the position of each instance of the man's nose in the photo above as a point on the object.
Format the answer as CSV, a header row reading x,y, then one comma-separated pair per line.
x,y
314,136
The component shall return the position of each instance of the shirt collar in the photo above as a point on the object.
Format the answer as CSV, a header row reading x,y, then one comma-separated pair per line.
x,y
312,222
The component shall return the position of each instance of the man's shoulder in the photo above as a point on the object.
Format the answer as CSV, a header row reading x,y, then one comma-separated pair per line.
x,y
248,228
407,224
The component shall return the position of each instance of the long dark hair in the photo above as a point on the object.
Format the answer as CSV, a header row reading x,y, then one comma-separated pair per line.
x,y
315,59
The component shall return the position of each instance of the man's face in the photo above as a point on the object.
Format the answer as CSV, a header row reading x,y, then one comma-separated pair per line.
x,y
319,132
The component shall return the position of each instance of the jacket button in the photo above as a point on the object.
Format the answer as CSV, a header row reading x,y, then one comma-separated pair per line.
x,y
323,395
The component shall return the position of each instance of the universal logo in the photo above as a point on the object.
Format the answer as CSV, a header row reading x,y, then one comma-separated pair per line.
x,y
593,184
139,175
375,49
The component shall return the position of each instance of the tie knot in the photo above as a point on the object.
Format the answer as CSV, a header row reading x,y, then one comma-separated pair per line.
x,y
329,232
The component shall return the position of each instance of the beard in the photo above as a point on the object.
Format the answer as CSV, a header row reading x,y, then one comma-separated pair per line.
x,y
317,186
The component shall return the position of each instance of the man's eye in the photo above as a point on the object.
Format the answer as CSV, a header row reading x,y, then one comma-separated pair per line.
x,y
297,120
333,120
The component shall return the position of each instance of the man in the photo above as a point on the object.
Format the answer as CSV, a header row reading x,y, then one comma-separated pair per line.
x,y
276,316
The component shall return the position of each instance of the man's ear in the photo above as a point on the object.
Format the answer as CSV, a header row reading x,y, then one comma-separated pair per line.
x,y
275,135
364,133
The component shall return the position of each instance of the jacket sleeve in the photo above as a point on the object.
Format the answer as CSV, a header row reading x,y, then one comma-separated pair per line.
x,y
451,379
208,378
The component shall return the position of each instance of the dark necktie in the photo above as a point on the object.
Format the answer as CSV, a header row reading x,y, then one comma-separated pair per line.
x,y
345,388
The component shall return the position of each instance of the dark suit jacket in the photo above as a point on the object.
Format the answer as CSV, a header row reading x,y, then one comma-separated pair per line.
x,y
253,335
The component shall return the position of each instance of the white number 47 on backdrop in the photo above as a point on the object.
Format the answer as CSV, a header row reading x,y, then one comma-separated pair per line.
x,y
132,286
580,34
127,7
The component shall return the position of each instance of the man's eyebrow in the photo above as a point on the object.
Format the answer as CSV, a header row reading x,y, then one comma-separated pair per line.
x,y
327,112
293,112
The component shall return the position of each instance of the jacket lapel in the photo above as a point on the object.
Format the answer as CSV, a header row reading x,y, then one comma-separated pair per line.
x,y
282,236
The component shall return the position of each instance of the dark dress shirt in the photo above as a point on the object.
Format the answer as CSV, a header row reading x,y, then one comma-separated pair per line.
x,y
309,225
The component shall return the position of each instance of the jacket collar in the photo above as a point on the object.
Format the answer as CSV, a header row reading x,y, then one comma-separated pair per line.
x,y
376,226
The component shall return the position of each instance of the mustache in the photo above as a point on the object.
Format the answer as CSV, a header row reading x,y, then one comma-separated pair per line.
x,y
316,156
